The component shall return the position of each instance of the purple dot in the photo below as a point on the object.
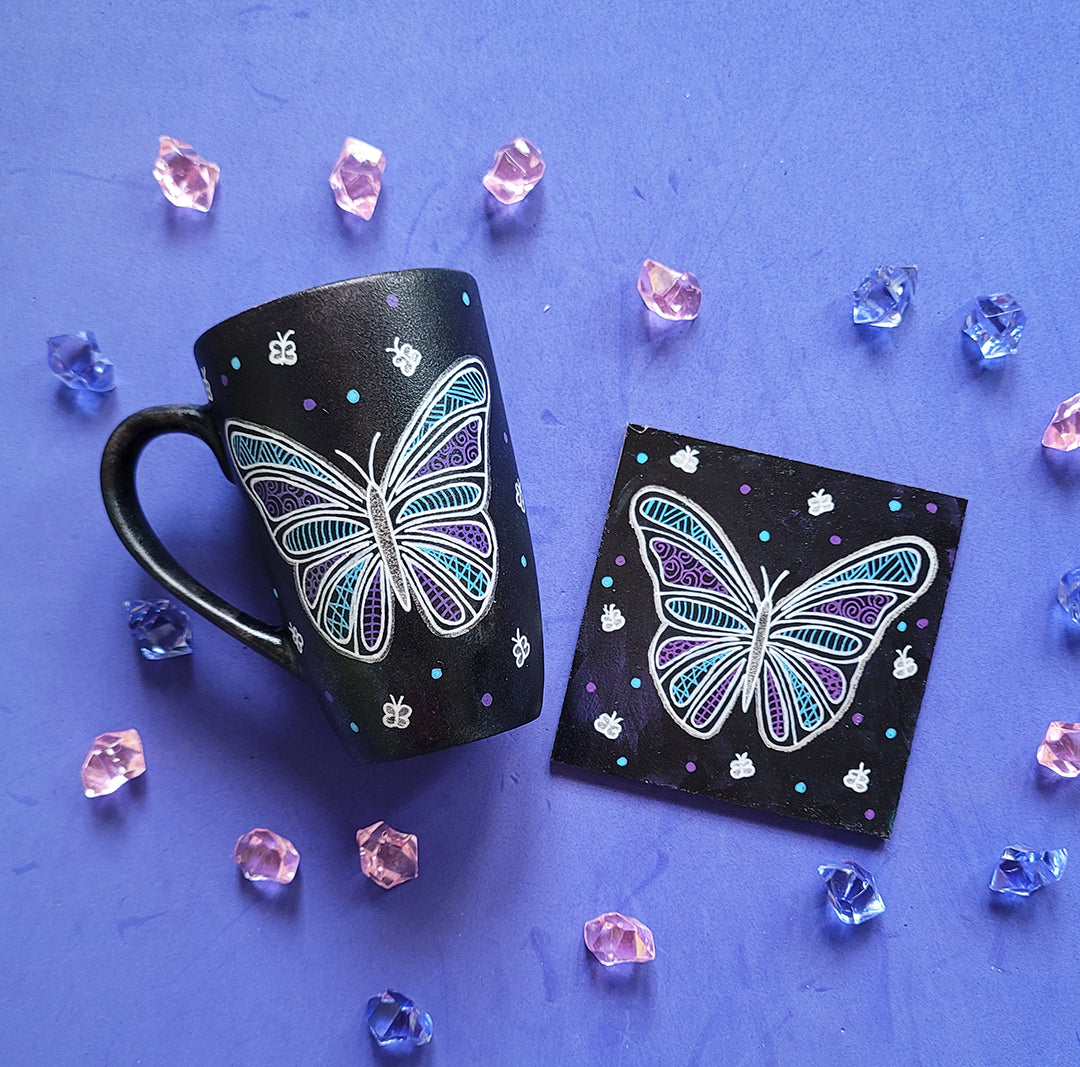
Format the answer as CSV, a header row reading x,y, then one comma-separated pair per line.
x,y
224,379
486,700
309,404
856,718
922,623
392,300
834,540
932,508
744,489
620,560
869,813
329,696
691,767
590,687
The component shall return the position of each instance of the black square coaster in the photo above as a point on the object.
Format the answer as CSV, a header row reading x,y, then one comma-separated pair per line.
x,y
759,630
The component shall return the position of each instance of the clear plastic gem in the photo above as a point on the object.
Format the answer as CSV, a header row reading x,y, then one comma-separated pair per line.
x,y
852,892
995,325
884,296
77,361
515,170
186,179
671,294
357,177
387,857
395,1021
113,759
1022,871
264,856
1060,750
1069,594
614,938
1063,433
160,628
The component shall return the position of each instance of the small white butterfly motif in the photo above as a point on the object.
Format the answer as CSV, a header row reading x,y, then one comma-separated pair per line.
x,y
520,648
608,725
396,713
518,497
612,619
298,638
686,459
904,666
742,766
858,779
283,349
406,358
206,385
819,503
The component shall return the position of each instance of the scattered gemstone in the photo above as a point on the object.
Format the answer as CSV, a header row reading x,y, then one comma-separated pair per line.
x,y
186,179
852,893
1060,750
1022,870
515,170
1069,594
387,857
264,856
77,361
1063,433
357,177
884,295
395,1021
160,628
113,759
613,938
671,294
995,325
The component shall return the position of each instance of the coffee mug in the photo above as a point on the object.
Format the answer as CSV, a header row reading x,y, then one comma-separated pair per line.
x,y
364,423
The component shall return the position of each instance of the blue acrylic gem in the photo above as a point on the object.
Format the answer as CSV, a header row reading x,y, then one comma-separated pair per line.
x,y
995,325
1069,594
884,295
395,1021
160,629
77,361
1022,870
851,892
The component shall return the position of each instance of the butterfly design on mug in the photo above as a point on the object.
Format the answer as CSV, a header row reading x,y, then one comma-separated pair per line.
x,y
420,535
796,660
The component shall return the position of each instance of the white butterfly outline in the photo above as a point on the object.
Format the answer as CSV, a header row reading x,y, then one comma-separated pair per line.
x,y
379,533
749,638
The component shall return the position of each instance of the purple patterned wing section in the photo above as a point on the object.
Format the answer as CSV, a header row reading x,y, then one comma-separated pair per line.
x,y
831,678
281,498
458,451
712,701
777,725
670,650
440,600
314,575
371,617
864,609
681,568
470,533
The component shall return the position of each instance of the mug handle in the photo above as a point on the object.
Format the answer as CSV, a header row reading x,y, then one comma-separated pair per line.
x,y
118,464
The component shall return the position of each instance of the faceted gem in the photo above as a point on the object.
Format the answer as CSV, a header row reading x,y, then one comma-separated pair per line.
x,y
613,938
395,1021
1022,871
1069,593
1060,750
264,856
186,179
515,170
1064,430
387,857
113,759
160,629
884,295
995,325
852,893
671,294
357,177
77,361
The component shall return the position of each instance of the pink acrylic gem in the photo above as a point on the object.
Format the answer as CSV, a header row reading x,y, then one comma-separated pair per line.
x,y
387,857
357,177
264,856
112,760
1064,430
614,938
186,179
671,294
1060,750
515,170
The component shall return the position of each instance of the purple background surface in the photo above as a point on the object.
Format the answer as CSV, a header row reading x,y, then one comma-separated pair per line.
x,y
780,151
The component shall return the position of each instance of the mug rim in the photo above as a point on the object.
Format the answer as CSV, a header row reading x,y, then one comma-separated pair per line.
x,y
280,301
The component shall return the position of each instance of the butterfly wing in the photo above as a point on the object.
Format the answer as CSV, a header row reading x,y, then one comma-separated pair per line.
x,y
318,520
436,489
822,634
707,606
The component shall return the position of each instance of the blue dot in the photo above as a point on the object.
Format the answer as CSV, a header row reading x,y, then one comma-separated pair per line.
x,y
355,729
352,396
890,733
436,672
524,561
894,505
621,761
607,581
901,626
643,457
764,535
800,787
635,682
465,299
235,363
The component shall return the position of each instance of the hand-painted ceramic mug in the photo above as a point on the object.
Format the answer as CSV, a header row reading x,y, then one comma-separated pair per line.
x,y
363,421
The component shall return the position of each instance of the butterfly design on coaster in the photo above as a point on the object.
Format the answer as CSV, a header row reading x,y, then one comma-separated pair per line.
x,y
797,659
420,535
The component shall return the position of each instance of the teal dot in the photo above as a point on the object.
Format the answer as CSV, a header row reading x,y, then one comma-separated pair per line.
x,y
607,581
800,787
901,626
465,299
621,761
355,729
764,535
352,396
235,363
643,457
894,505
436,672
635,682
890,733
524,561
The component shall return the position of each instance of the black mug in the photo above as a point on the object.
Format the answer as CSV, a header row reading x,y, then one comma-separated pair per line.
x,y
364,422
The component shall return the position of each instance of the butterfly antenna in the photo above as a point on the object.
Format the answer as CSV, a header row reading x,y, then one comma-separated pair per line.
x,y
349,459
770,589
